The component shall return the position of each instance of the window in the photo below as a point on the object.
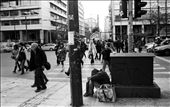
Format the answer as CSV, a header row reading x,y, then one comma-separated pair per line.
x,y
4,13
14,22
5,23
35,21
5,4
25,12
23,22
13,13
25,2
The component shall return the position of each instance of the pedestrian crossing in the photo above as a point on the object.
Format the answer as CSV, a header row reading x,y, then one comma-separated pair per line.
x,y
57,73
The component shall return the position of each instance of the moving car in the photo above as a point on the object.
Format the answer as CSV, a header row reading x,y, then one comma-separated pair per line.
x,y
48,47
163,48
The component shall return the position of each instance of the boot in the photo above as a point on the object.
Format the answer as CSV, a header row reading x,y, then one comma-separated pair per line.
x,y
15,68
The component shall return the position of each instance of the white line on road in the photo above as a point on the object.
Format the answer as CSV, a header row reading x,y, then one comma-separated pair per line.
x,y
155,65
162,73
159,68
166,60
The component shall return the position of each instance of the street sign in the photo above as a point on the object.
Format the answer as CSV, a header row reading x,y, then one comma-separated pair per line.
x,y
71,37
71,17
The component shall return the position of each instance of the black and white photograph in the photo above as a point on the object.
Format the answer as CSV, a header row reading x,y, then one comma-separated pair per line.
x,y
85,53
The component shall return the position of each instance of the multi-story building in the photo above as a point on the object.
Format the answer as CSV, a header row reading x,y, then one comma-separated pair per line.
x,y
33,20
107,29
81,19
144,25
91,22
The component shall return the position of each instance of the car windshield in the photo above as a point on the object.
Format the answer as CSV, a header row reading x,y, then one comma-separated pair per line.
x,y
165,42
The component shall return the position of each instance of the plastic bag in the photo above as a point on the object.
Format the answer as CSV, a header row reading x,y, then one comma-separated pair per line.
x,y
106,93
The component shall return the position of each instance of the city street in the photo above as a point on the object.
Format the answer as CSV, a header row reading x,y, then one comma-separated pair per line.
x,y
16,90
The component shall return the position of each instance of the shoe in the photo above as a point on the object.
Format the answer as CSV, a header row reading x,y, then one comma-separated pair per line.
x,y
22,73
46,81
87,95
33,85
38,90
14,71
67,73
44,88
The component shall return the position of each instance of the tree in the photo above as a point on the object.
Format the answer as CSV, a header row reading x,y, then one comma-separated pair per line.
x,y
153,18
95,29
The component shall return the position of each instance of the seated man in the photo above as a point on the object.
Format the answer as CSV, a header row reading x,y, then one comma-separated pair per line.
x,y
97,78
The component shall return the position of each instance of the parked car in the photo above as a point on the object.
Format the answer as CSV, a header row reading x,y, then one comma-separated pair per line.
x,y
48,47
163,48
6,47
150,46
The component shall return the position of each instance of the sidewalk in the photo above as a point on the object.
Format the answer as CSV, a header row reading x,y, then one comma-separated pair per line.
x,y
17,92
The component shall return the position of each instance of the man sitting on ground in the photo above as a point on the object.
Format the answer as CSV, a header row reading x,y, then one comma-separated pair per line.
x,y
98,77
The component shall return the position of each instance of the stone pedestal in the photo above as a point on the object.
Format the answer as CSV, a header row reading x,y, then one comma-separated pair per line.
x,y
132,74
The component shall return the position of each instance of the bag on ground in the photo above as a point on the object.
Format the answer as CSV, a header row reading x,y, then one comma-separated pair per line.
x,y
106,93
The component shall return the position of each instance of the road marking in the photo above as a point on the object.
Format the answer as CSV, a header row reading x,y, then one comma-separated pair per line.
x,y
162,73
166,60
156,65
159,68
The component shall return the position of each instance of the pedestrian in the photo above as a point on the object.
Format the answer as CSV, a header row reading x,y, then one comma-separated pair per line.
x,y
62,55
92,51
14,56
106,55
37,61
98,48
22,58
56,51
98,77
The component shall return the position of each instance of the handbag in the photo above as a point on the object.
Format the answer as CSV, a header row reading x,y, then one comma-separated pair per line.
x,y
106,93
47,65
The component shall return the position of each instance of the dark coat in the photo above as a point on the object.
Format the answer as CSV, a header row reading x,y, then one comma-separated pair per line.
x,y
37,59
100,77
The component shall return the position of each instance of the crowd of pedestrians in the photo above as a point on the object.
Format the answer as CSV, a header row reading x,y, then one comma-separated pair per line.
x,y
97,50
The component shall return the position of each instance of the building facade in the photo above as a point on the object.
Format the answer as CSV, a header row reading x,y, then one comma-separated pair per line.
x,y
81,19
33,20
91,22
146,26
107,29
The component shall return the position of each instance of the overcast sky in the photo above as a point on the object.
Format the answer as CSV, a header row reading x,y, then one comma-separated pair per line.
x,y
96,7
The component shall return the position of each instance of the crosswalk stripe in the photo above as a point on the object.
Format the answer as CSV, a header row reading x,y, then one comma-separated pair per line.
x,y
162,73
155,65
159,68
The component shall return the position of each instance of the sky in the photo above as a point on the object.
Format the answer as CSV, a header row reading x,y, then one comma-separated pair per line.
x,y
92,8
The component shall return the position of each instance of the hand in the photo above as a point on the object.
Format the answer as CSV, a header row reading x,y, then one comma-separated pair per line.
x,y
43,67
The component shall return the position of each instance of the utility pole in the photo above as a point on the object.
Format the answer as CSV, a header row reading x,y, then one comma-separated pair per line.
x,y
166,18
158,33
26,28
75,66
130,27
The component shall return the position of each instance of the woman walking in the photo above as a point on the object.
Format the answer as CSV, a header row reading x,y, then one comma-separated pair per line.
x,y
61,55
14,56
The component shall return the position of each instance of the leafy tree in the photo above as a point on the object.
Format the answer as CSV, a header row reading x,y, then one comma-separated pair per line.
x,y
95,29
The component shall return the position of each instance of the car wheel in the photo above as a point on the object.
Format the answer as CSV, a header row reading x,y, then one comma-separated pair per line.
x,y
51,49
167,52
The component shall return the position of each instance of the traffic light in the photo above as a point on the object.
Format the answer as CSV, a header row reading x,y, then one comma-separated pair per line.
x,y
138,4
124,8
